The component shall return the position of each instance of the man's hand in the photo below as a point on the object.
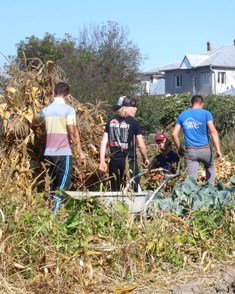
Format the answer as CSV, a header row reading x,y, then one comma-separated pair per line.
x,y
82,156
103,166
219,156
181,151
146,161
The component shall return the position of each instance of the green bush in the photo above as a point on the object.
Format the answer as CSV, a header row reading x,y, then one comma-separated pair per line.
x,y
157,114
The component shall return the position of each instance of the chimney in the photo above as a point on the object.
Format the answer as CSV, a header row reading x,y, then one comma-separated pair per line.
x,y
209,46
234,42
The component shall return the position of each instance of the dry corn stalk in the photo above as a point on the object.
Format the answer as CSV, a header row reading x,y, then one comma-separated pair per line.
x,y
22,147
224,170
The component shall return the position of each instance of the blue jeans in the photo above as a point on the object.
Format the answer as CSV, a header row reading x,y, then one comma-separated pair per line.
x,y
196,155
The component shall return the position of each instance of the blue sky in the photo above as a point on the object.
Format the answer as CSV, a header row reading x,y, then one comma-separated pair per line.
x,y
163,30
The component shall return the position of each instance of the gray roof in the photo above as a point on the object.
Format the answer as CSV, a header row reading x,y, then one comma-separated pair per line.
x,y
221,57
157,88
193,61
230,92
170,66
151,71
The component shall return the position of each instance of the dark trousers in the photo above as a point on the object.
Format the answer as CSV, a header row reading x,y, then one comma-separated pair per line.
x,y
118,172
60,171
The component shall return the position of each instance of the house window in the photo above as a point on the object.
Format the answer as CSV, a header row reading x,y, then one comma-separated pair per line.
x,y
205,78
221,77
178,81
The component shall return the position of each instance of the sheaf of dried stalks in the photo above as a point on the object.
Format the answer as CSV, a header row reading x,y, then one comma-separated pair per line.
x,y
22,146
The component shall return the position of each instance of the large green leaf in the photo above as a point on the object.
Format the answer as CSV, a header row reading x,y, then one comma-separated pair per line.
x,y
189,195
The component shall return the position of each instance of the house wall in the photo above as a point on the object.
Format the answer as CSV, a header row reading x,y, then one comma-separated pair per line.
x,y
170,87
193,81
229,81
203,88
152,84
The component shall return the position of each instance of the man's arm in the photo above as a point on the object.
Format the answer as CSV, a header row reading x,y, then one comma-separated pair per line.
x,y
175,137
142,148
74,135
103,165
215,138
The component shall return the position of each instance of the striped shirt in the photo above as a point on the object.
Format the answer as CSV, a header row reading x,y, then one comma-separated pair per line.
x,y
57,116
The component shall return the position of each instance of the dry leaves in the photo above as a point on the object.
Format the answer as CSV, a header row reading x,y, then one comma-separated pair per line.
x,y
22,147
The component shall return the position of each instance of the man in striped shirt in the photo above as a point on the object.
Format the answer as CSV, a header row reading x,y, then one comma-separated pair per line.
x,y
61,132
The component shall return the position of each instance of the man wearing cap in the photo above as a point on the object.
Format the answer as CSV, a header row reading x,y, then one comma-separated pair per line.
x,y
122,133
196,124
167,160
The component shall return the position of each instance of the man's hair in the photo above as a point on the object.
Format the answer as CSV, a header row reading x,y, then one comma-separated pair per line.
x,y
197,99
62,89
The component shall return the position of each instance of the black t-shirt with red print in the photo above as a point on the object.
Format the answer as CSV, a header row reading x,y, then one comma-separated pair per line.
x,y
122,132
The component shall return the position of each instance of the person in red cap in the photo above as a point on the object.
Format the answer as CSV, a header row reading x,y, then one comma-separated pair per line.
x,y
123,133
167,160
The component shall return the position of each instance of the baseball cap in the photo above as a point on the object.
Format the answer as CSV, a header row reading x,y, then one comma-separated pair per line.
x,y
125,101
160,137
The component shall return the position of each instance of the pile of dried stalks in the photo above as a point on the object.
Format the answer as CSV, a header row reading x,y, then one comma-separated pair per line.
x,y
22,147
224,170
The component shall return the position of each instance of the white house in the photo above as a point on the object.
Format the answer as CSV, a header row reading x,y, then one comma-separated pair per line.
x,y
211,72
153,82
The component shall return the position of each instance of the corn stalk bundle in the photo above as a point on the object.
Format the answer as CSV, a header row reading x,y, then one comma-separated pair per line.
x,y
21,146
91,127
224,170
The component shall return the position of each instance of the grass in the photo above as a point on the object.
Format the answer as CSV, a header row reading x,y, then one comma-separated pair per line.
x,y
87,248
87,244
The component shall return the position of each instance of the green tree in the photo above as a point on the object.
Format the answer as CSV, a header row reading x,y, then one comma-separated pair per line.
x,y
101,64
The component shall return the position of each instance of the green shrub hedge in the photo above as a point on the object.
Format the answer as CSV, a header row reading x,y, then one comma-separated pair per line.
x,y
160,113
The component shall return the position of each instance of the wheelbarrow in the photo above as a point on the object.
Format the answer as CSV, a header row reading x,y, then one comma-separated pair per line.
x,y
138,202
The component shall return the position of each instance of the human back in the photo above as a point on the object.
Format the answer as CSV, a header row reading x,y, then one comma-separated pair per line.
x,y
57,116
122,132
194,125
61,131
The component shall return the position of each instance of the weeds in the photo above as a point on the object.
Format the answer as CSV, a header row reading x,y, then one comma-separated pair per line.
x,y
87,243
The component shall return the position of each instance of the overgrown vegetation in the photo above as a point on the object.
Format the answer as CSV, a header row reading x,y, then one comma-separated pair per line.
x,y
87,246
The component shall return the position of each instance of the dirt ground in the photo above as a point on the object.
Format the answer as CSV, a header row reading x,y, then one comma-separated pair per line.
x,y
211,279
220,280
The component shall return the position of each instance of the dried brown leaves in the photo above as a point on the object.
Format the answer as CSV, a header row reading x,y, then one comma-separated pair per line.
x,y
21,146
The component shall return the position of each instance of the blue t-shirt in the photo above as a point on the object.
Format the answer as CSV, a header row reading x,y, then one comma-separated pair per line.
x,y
194,125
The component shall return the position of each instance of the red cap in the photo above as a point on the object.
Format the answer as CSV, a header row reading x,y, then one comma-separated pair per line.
x,y
160,137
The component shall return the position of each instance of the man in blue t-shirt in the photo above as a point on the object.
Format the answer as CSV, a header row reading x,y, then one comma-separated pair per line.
x,y
196,124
